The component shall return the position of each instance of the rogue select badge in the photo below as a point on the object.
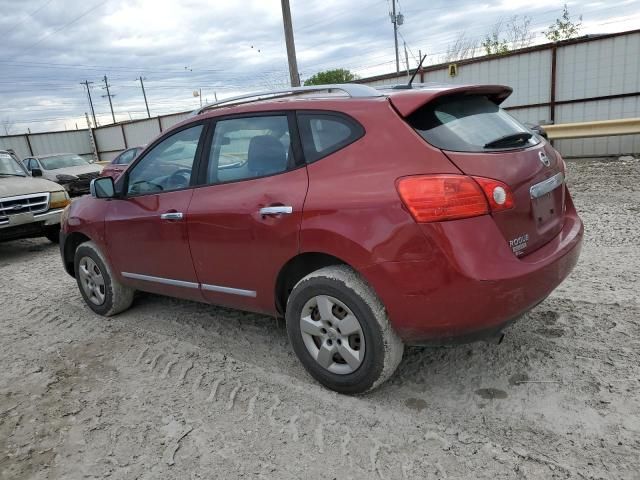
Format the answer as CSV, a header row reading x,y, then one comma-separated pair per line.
x,y
518,244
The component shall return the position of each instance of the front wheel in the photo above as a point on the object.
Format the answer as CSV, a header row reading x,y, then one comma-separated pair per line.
x,y
340,331
103,293
52,233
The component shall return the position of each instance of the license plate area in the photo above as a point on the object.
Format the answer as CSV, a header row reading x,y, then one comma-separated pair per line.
x,y
547,200
544,209
20,218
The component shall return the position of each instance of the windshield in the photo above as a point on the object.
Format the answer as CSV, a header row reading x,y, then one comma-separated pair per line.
x,y
8,166
62,161
470,123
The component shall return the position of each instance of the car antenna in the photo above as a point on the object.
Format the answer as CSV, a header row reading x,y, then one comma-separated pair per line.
x,y
416,71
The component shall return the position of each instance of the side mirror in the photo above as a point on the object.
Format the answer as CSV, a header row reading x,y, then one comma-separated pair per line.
x,y
36,172
102,188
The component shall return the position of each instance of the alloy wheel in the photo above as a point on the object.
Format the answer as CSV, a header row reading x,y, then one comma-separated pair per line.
x,y
332,334
92,281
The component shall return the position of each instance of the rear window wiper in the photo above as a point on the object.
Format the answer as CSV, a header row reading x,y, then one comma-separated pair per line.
x,y
509,140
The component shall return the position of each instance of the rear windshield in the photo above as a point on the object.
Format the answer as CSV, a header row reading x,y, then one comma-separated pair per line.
x,y
470,123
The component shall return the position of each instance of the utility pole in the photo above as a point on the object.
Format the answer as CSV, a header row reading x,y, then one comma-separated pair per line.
x,y
291,47
406,57
394,20
108,95
86,83
144,94
92,139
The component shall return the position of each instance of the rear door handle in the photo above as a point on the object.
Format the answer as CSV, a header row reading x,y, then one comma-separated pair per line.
x,y
279,210
172,216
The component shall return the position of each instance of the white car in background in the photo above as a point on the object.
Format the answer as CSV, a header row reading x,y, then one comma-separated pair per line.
x,y
71,171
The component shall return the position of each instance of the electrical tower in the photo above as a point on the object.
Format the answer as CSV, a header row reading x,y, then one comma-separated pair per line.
x,y
108,95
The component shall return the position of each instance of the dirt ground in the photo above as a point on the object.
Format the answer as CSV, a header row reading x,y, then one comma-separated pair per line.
x,y
174,389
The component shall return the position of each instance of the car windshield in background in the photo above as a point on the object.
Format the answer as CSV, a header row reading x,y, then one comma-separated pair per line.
x,y
8,166
62,161
470,124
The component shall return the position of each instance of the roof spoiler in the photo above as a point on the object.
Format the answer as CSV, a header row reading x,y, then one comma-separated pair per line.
x,y
407,101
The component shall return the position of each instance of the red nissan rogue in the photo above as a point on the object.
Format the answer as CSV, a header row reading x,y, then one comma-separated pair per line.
x,y
369,219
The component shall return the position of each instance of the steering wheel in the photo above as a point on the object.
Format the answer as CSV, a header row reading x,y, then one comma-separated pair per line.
x,y
179,179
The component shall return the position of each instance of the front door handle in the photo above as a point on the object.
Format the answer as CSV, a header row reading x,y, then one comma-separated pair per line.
x,y
172,216
276,210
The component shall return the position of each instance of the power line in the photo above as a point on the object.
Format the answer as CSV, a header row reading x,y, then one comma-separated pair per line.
x,y
27,17
64,26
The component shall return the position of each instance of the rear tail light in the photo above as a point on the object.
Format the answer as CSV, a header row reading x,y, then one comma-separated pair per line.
x,y
435,198
498,194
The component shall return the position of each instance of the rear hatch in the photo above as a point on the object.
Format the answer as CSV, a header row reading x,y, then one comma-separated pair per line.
x,y
482,140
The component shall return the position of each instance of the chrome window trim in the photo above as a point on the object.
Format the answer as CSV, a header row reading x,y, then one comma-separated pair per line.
x,y
164,281
540,189
182,283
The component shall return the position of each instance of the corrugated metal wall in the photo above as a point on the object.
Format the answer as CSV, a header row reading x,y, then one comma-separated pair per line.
x,y
593,68
590,68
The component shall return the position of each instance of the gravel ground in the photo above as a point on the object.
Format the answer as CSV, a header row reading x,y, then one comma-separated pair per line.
x,y
174,389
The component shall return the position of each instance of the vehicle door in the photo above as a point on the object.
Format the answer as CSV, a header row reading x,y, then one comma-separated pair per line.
x,y
146,229
244,224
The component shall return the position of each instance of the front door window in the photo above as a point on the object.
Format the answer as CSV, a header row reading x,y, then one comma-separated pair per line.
x,y
167,166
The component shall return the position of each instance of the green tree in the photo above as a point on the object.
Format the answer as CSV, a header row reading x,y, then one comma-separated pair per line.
x,y
563,28
494,45
338,75
508,35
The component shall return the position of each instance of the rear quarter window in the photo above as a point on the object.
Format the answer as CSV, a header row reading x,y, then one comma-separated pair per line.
x,y
467,124
325,133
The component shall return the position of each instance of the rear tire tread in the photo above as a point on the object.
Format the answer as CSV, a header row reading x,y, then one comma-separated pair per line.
x,y
346,279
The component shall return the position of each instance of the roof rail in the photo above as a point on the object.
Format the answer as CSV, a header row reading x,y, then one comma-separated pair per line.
x,y
354,90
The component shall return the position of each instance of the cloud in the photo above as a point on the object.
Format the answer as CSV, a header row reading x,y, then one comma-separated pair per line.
x,y
221,46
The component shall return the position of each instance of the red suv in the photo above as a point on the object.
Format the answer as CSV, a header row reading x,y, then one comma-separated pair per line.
x,y
369,221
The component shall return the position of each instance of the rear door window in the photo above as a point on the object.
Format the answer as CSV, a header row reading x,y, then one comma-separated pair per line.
x,y
250,147
470,123
325,133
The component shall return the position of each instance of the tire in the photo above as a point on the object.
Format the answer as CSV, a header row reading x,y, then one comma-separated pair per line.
x,y
104,294
52,233
325,300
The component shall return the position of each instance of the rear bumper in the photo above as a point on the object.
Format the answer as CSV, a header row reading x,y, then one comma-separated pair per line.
x,y
472,283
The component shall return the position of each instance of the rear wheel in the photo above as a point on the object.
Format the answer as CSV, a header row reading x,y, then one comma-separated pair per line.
x,y
340,331
103,293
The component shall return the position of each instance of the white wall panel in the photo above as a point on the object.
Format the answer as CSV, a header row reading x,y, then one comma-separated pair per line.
x,y
77,141
109,138
18,143
598,68
534,115
141,132
169,121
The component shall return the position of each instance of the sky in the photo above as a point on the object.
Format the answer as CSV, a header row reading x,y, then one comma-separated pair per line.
x,y
228,47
